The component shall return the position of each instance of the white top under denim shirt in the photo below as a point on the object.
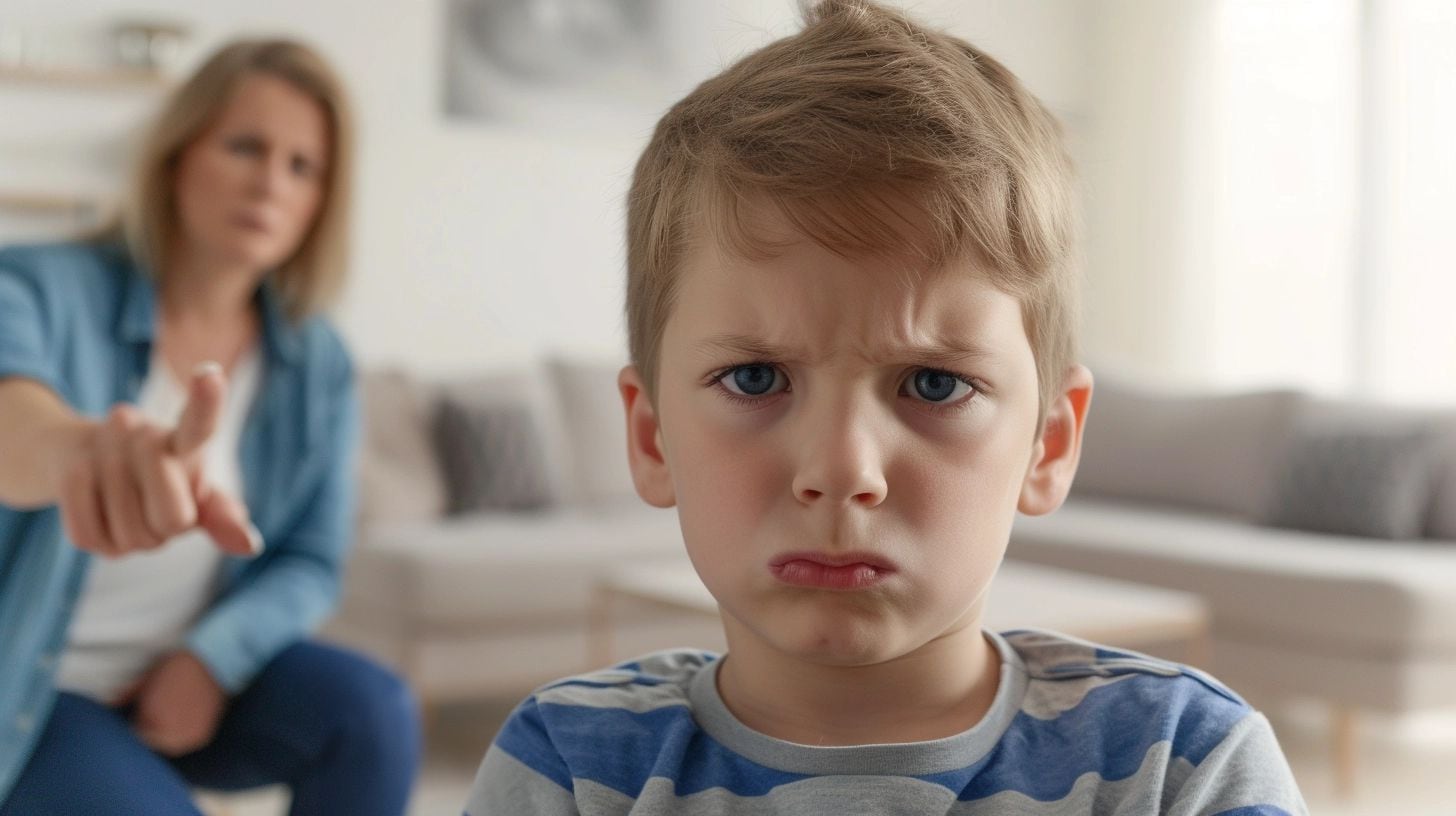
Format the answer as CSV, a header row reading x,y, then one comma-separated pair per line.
x,y
137,608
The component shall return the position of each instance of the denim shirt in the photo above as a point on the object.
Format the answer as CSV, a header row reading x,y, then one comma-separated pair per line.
x,y
81,319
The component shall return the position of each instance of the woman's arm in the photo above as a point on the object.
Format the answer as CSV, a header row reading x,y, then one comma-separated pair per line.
x,y
295,585
39,432
122,484
39,427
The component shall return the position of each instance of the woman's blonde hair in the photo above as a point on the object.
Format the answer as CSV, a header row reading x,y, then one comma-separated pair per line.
x,y
870,134
148,221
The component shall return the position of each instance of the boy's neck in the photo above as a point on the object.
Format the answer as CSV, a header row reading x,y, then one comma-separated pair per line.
x,y
940,690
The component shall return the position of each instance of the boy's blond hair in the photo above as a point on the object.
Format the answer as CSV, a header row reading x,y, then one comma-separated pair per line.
x,y
871,134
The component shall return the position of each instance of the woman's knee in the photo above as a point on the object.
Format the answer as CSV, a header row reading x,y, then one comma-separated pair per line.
x,y
372,701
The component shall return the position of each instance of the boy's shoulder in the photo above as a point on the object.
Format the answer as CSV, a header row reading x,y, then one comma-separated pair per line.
x,y
650,681
1087,688
1051,658
608,726
648,696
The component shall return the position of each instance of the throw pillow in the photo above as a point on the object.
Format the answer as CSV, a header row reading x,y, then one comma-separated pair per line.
x,y
1357,481
493,455
1441,518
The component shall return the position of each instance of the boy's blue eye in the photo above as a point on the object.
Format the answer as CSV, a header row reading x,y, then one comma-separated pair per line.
x,y
930,385
756,380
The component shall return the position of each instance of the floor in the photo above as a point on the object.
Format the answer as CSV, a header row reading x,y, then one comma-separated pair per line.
x,y
1406,766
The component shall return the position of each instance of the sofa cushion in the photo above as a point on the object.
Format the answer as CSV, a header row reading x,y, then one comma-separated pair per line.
x,y
1210,452
399,476
519,405
493,455
1356,480
595,430
1440,425
1441,516
1312,592
503,569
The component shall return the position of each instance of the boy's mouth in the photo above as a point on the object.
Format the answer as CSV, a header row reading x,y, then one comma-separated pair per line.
x,y
840,571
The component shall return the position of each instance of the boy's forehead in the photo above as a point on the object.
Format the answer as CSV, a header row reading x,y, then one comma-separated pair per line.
x,y
807,300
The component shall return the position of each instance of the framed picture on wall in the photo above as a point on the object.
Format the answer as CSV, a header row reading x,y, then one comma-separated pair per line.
x,y
557,62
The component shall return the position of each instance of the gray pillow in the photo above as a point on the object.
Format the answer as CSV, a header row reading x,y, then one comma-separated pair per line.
x,y
1356,481
1441,517
493,455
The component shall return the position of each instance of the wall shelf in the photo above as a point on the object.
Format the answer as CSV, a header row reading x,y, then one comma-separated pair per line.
x,y
83,78
49,203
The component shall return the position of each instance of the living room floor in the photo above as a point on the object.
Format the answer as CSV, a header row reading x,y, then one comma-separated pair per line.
x,y
1400,771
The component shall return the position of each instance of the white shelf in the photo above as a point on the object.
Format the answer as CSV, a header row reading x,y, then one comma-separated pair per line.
x,y
43,202
83,78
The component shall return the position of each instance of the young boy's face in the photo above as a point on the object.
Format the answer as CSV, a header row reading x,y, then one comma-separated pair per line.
x,y
846,444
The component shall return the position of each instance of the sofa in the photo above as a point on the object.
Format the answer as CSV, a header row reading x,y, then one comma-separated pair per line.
x,y
490,505
1321,534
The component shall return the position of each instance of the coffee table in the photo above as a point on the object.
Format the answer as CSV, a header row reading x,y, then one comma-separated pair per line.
x,y
1023,596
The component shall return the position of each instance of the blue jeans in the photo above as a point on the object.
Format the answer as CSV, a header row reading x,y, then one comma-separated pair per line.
x,y
340,731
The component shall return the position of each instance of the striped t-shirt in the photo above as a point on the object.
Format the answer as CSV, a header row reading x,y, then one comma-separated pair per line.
x,y
1074,729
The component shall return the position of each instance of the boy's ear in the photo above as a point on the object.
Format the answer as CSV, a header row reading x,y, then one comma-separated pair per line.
x,y
1055,454
644,441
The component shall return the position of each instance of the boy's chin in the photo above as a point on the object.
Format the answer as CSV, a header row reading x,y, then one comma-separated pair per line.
x,y
856,644
843,646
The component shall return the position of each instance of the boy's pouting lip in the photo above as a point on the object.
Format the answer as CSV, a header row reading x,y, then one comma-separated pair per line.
x,y
831,570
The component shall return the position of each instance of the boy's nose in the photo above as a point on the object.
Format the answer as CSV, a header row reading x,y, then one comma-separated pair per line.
x,y
839,464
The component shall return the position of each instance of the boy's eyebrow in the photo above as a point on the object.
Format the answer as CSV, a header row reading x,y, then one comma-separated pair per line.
x,y
744,346
947,353
930,354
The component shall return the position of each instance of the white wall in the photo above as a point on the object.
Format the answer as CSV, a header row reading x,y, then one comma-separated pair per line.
x,y
480,243
1270,195
1221,168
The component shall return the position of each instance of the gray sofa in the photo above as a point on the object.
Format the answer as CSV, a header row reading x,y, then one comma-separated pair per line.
x,y
490,506
1321,534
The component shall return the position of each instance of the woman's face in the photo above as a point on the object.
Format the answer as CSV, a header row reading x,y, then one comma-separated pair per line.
x,y
251,184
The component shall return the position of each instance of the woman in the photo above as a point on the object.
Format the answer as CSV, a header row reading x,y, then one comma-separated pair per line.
x,y
172,404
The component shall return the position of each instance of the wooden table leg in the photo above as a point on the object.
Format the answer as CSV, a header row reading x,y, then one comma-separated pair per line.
x,y
1346,747
599,630
1199,650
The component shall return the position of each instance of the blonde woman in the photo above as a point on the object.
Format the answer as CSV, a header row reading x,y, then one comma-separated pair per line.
x,y
175,475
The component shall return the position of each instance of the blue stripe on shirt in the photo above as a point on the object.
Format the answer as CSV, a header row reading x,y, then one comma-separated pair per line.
x,y
1108,733
621,750
524,737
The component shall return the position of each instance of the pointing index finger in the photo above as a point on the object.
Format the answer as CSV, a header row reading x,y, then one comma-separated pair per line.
x,y
204,408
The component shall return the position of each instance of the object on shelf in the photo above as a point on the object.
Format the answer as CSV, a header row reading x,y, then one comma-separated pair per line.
x,y
148,45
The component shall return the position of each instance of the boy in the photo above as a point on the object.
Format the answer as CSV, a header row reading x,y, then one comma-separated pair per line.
x,y
850,301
